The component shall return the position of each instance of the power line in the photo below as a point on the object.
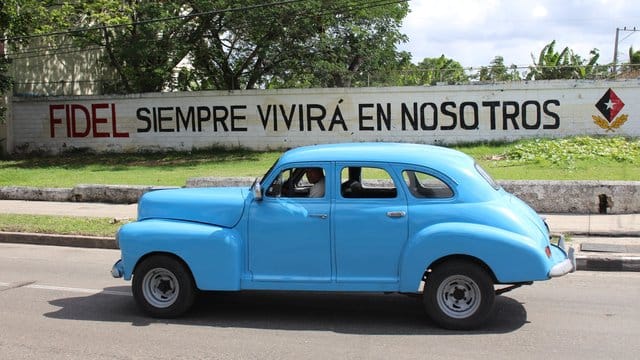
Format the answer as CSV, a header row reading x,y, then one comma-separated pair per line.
x,y
42,51
364,5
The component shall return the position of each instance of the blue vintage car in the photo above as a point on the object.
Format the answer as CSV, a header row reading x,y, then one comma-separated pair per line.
x,y
362,217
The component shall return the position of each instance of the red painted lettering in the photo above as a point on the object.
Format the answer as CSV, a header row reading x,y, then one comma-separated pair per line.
x,y
82,121
98,120
113,123
53,120
74,121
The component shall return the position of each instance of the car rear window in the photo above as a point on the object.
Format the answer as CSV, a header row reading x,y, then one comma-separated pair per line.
x,y
426,186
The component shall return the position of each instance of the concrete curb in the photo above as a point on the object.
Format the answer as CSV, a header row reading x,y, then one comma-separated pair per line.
x,y
610,233
58,240
583,262
608,263
111,194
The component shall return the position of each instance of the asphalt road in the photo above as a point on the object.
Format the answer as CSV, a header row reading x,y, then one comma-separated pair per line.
x,y
61,303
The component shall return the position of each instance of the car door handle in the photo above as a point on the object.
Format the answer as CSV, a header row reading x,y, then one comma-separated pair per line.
x,y
396,214
321,216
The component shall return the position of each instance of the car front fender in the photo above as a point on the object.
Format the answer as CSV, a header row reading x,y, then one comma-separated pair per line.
x,y
511,257
212,253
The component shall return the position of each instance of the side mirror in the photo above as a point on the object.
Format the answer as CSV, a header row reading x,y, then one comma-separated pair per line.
x,y
257,190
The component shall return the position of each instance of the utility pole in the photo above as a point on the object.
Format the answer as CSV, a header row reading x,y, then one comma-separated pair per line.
x,y
615,46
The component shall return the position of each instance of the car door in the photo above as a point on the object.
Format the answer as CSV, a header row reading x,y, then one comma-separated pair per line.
x,y
370,223
289,233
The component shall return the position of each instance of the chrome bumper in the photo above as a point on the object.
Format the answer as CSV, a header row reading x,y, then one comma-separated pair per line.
x,y
117,271
566,266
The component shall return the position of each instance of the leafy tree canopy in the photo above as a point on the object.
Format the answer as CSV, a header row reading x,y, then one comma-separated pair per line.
x,y
498,71
564,65
230,44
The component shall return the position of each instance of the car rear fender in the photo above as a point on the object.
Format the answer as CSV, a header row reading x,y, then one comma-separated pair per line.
x,y
511,257
213,254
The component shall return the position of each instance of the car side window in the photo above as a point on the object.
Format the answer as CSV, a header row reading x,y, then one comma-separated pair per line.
x,y
366,182
298,182
422,185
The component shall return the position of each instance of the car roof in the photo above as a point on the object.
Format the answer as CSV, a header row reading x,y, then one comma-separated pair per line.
x,y
418,154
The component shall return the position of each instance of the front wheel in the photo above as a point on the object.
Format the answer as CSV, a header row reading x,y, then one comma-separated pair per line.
x,y
163,287
459,295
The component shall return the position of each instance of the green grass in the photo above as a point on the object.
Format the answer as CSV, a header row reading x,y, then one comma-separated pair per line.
x,y
578,158
68,225
171,169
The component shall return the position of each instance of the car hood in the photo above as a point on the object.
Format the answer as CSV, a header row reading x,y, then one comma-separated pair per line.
x,y
215,206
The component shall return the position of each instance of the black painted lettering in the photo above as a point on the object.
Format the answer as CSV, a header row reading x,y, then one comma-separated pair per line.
x,y
162,118
474,114
423,117
407,115
288,117
526,106
383,116
510,111
143,115
220,115
264,117
362,117
204,114
492,105
551,114
185,121
320,113
236,116
444,108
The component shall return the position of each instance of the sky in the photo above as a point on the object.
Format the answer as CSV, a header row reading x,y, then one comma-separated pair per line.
x,y
473,32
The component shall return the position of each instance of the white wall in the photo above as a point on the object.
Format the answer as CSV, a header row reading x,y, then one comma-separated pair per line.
x,y
268,119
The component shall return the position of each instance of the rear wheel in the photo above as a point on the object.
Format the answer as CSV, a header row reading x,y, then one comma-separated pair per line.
x,y
459,295
163,287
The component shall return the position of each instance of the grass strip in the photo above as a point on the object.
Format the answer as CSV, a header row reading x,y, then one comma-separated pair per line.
x,y
576,158
64,225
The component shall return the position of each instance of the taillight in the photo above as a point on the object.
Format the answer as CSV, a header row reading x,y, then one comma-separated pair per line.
x,y
547,250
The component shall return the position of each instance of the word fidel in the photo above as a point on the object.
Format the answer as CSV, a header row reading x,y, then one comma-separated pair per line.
x,y
100,120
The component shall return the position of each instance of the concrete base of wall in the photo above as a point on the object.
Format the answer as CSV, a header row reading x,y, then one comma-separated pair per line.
x,y
570,197
578,197
115,194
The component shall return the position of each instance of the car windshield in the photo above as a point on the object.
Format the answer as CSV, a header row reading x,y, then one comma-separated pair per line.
x,y
487,177
268,172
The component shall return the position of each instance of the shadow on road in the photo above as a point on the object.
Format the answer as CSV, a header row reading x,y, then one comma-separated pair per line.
x,y
363,314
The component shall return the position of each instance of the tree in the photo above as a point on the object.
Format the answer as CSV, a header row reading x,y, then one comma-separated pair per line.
x,y
18,19
309,44
634,56
431,71
233,44
140,51
564,65
631,69
497,71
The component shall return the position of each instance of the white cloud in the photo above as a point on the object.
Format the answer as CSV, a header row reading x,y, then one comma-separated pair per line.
x,y
539,11
474,31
